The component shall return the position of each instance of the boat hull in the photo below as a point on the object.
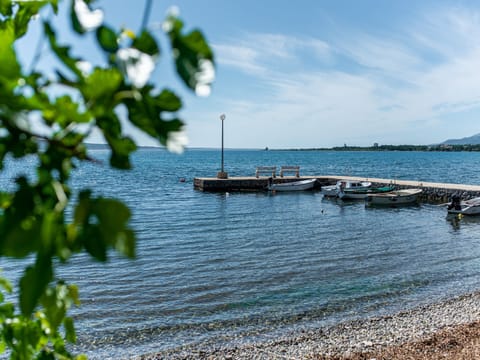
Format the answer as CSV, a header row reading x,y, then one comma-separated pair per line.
x,y
396,197
333,190
330,190
467,207
362,194
293,186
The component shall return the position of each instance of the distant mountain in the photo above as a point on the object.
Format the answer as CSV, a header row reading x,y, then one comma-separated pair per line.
x,y
471,140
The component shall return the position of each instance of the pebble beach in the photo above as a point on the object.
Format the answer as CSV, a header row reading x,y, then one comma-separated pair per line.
x,y
406,334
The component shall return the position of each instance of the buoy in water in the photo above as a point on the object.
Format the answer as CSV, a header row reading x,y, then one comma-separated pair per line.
x,y
182,179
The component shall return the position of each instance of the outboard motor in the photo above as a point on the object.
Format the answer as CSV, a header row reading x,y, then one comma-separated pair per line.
x,y
455,204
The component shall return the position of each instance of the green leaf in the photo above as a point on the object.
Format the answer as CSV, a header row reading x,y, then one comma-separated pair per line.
x,y
54,4
167,101
104,223
82,210
50,229
6,7
64,112
21,238
89,234
94,242
19,228
110,125
77,27
56,301
113,217
24,15
121,146
62,52
34,282
5,284
3,346
191,53
70,334
147,117
143,114
9,66
7,310
101,84
147,114
107,39
5,199
74,294
146,43
44,355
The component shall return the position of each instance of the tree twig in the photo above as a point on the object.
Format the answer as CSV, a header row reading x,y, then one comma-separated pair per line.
x,y
146,14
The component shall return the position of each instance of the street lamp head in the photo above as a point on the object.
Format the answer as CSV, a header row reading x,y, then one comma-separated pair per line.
x,y
222,117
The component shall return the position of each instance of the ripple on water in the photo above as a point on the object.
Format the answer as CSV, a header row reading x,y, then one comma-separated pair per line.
x,y
219,268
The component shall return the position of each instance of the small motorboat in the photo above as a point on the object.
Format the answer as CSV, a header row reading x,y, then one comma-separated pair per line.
x,y
363,193
395,197
333,190
464,207
292,186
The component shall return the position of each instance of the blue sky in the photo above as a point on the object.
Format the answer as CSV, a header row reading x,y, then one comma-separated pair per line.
x,y
318,73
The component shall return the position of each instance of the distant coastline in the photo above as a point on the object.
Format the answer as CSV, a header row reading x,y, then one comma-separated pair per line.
x,y
440,147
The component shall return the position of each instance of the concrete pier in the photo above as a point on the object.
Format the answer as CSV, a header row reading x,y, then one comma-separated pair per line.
x,y
432,192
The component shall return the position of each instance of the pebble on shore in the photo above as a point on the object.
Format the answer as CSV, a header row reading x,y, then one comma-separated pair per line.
x,y
346,339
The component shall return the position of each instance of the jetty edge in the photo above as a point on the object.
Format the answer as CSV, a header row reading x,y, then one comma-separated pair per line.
x,y
432,191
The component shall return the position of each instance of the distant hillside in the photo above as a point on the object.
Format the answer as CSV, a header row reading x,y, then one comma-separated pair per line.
x,y
471,140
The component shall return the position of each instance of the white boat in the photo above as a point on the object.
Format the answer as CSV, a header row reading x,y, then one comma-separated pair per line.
x,y
363,193
395,197
356,194
333,190
464,207
292,186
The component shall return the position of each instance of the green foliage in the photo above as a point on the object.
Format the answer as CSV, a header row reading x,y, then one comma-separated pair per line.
x,y
191,53
107,39
32,217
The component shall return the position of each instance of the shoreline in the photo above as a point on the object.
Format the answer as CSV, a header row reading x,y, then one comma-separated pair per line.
x,y
414,330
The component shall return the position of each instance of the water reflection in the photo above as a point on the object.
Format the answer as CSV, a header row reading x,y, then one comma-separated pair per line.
x,y
459,220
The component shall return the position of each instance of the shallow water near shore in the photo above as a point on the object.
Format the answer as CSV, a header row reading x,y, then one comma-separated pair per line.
x,y
218,269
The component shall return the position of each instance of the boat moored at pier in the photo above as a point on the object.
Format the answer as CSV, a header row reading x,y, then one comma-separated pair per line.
x,y
464,207
395,197
363,193
300,185
333,190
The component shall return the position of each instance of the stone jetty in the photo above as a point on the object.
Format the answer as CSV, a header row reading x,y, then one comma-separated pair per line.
x,y
432,192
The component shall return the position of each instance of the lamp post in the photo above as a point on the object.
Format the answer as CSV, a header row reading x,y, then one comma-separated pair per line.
x,y
222,174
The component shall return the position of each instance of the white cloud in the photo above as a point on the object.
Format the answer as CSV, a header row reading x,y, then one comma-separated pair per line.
x,y
240,57
400,88
391,58
254,54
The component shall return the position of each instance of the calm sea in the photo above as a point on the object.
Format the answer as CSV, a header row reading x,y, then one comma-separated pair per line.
x,y
223,268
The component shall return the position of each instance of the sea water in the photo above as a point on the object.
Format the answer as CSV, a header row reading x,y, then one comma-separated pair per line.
x,y
222,268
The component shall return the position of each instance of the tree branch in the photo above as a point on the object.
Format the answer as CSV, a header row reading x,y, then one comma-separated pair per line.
x,y
146,14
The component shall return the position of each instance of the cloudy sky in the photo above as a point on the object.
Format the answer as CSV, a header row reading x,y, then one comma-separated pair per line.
x,y
323,73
